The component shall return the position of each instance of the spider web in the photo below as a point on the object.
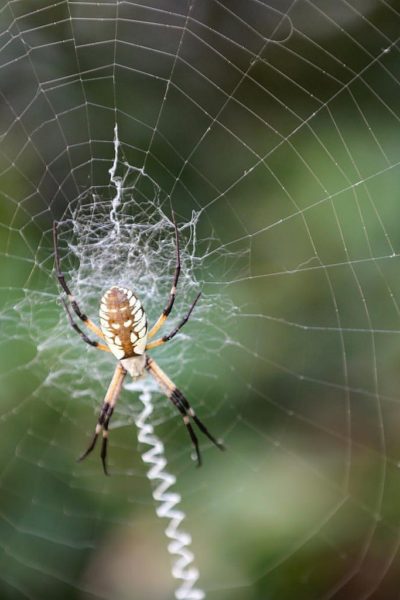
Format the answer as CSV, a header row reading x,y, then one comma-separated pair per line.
x,y
272,130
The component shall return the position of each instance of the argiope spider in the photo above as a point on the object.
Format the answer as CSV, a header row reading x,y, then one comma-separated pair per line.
x,y
123,328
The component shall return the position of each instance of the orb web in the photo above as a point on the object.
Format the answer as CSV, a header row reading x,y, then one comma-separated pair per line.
x,y
271,130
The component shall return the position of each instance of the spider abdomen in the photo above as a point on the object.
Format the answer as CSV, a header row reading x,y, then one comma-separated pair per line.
x,y
123,322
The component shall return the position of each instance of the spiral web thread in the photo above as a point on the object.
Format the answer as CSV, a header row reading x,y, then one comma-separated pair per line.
x,y
168,502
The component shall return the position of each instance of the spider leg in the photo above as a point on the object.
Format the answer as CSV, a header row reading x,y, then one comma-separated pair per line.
x,y
104,445
83,335
172,294
178,395
170,335
182,404
106,412
188,425
61,279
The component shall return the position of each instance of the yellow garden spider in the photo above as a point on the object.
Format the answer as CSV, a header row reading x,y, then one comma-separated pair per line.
x,y
123,328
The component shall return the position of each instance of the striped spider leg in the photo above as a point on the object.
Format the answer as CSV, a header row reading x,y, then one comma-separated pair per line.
x,y
181,403
106,412
73,303
123,328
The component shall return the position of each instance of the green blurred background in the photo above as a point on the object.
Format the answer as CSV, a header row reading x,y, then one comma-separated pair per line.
x,y
279,124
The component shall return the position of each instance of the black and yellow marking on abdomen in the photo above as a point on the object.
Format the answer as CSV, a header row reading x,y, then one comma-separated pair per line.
x,y
123,322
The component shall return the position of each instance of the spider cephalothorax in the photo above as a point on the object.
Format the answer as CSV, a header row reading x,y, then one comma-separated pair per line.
x,y
123,328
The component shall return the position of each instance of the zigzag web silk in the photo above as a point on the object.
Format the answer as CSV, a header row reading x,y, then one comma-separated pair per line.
x,y
158,475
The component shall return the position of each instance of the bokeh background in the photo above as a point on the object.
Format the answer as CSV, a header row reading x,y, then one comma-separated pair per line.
x,y
272,128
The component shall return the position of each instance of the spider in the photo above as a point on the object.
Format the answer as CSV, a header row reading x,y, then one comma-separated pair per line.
x,y
123,328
